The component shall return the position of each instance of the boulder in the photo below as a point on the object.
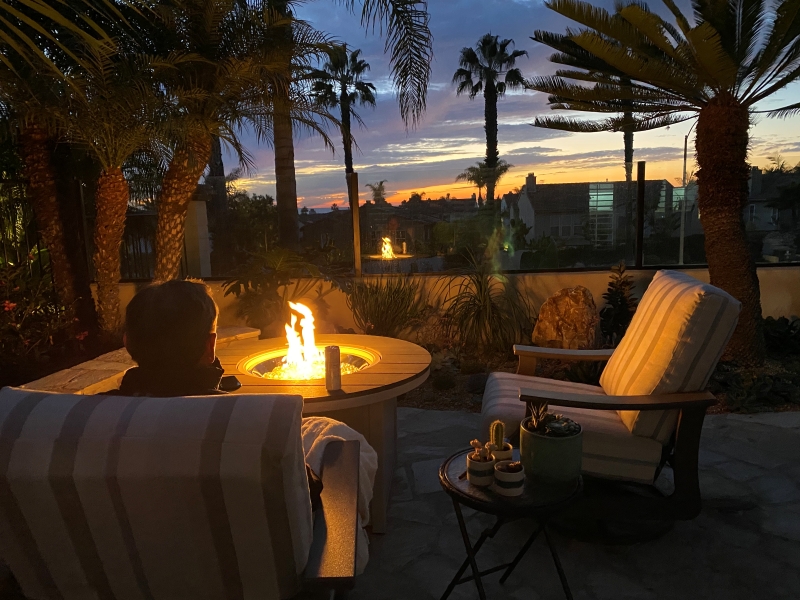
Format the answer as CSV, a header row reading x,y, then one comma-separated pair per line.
x,y
568,319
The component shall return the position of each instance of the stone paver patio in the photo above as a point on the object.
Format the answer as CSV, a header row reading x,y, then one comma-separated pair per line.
x,y
726,554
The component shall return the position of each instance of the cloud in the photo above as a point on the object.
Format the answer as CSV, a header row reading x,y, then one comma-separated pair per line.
x,y
451,135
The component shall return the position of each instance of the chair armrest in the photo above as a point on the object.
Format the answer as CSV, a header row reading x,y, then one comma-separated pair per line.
x,y
528,355
562,353
332,559
601,402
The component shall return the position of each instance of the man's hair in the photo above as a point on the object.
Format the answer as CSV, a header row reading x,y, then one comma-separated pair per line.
x,y
167,324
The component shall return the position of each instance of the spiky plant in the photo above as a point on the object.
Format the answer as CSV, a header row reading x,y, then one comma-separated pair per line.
x,y
620,306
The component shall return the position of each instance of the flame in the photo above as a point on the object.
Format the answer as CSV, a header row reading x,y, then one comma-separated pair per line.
x,y
386,249
304,359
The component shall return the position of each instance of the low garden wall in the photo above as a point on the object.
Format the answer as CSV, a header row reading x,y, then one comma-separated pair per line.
x,y
780,292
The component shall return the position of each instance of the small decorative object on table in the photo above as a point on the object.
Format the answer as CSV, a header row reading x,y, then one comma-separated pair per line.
x,y
551,446
333,368
509,478
480,464
497,437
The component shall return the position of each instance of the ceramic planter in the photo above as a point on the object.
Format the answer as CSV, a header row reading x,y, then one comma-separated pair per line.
x,y
508,484
505,454
480,473
549,458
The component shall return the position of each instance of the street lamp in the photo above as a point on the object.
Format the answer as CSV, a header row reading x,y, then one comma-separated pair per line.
x,y
683,201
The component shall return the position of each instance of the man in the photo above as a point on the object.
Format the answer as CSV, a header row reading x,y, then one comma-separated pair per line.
x,y
171,334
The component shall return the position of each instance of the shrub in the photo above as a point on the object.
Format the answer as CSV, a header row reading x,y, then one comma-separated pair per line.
x,y
267,282
620,306
443,380
487,312
33,328
386,306
782,335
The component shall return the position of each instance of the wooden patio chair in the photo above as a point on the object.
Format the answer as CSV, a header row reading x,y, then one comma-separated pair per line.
x,y
649,408
170,498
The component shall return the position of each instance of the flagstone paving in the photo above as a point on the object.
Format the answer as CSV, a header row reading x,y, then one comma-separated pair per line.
x,y
723,553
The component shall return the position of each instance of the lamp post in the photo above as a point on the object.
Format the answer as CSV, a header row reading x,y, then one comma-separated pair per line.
x,y
683,200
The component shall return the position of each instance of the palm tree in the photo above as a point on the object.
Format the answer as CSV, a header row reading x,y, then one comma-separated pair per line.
x,y
480,175
340,83
211,97
111,109
27,99
378,191
715,68
410,45
476,175
489,67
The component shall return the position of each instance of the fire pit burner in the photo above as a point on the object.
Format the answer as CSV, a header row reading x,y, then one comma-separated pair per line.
x,y
274,367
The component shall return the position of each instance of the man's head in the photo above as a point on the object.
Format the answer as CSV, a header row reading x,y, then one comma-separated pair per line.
x,y
172,325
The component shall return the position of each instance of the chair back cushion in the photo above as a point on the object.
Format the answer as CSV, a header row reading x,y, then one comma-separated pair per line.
x,y
672,345
137,498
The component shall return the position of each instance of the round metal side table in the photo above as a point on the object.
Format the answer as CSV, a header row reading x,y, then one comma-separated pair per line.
x,y
538,502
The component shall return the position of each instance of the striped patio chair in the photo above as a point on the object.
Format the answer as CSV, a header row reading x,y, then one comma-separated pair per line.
x,y
651,402
169,498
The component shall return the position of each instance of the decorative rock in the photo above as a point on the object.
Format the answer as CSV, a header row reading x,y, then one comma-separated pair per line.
x,y
568,319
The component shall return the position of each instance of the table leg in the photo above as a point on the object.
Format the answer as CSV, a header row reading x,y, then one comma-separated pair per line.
x,y
486,534
561,575
470,554
520,554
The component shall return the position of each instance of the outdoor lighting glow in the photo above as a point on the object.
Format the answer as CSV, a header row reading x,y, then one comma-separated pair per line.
x,y
386,249
304,359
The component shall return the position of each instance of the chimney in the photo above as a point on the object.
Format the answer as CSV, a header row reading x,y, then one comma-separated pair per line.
x,y
530,185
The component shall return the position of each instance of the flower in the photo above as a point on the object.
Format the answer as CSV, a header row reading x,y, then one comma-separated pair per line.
x,y
8,306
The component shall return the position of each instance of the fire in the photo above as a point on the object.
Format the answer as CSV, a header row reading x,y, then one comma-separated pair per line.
x,y
304,359
386,249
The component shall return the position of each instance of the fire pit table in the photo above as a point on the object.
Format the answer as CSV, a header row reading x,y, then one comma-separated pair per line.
x,y
367,402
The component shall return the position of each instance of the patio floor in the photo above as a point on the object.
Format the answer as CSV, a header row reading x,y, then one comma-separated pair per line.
x,y
720,554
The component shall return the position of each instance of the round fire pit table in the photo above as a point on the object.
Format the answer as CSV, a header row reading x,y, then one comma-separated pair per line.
x,y
367,401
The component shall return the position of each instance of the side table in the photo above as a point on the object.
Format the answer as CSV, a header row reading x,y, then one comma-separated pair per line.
x,y
537,502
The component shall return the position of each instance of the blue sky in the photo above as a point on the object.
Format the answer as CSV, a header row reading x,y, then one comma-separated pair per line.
x,y
451,137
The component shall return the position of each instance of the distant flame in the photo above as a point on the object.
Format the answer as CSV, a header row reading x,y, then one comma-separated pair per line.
x,y
386,249
303,360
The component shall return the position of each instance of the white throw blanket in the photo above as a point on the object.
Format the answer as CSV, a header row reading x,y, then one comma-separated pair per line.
x,y
317,432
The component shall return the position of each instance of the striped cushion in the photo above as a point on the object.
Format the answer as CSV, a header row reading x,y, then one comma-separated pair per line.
x,y
609,449
672,345
136,498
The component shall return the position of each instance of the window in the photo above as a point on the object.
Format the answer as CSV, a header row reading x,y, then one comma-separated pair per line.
x,y
554,231
578,230
565,231
751,211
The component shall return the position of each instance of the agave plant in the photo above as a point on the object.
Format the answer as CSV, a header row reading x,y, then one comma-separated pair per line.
x,y
487,312
386,306
546,423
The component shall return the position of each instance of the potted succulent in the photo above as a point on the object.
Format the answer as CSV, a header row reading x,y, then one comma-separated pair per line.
x,y
480,464
550,446
509,478
497,437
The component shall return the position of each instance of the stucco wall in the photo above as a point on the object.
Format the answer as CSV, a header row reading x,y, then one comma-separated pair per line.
x,y
780,292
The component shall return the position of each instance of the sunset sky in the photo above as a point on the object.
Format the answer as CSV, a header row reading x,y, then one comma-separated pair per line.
x,y
451,137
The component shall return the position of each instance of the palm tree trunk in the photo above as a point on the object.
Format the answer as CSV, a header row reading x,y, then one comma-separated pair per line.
x,y
285,179
630,232
722,179
177,188
347,141
36,150
490,117
111,201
